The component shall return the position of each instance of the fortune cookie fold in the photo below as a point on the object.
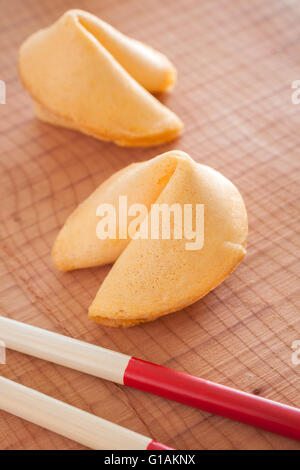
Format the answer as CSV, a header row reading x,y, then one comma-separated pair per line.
x,y
85,75
154,277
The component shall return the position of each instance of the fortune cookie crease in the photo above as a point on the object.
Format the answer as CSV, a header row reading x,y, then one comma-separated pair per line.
x,y
85,75
154,277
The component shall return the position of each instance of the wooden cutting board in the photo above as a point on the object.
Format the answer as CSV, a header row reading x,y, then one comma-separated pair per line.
x,y
236,62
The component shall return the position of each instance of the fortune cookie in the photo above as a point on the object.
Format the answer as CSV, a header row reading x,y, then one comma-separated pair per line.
x,y
85,75
156,276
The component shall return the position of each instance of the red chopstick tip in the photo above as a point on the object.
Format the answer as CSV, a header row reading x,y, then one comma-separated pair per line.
x,y
153,445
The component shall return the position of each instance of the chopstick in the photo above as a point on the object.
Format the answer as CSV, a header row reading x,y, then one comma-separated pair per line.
x,y
149,377
78,425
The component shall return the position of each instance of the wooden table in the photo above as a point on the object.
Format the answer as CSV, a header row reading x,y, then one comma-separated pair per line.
x,y
236,62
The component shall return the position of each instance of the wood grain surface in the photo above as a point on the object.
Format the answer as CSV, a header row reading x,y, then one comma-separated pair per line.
x,y
236,61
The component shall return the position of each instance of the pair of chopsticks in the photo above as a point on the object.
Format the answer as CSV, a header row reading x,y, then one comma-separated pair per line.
x,y
126,370
78,425
57,416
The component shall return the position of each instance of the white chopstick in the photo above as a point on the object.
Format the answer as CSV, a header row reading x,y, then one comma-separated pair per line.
x,y
71,422
69,352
